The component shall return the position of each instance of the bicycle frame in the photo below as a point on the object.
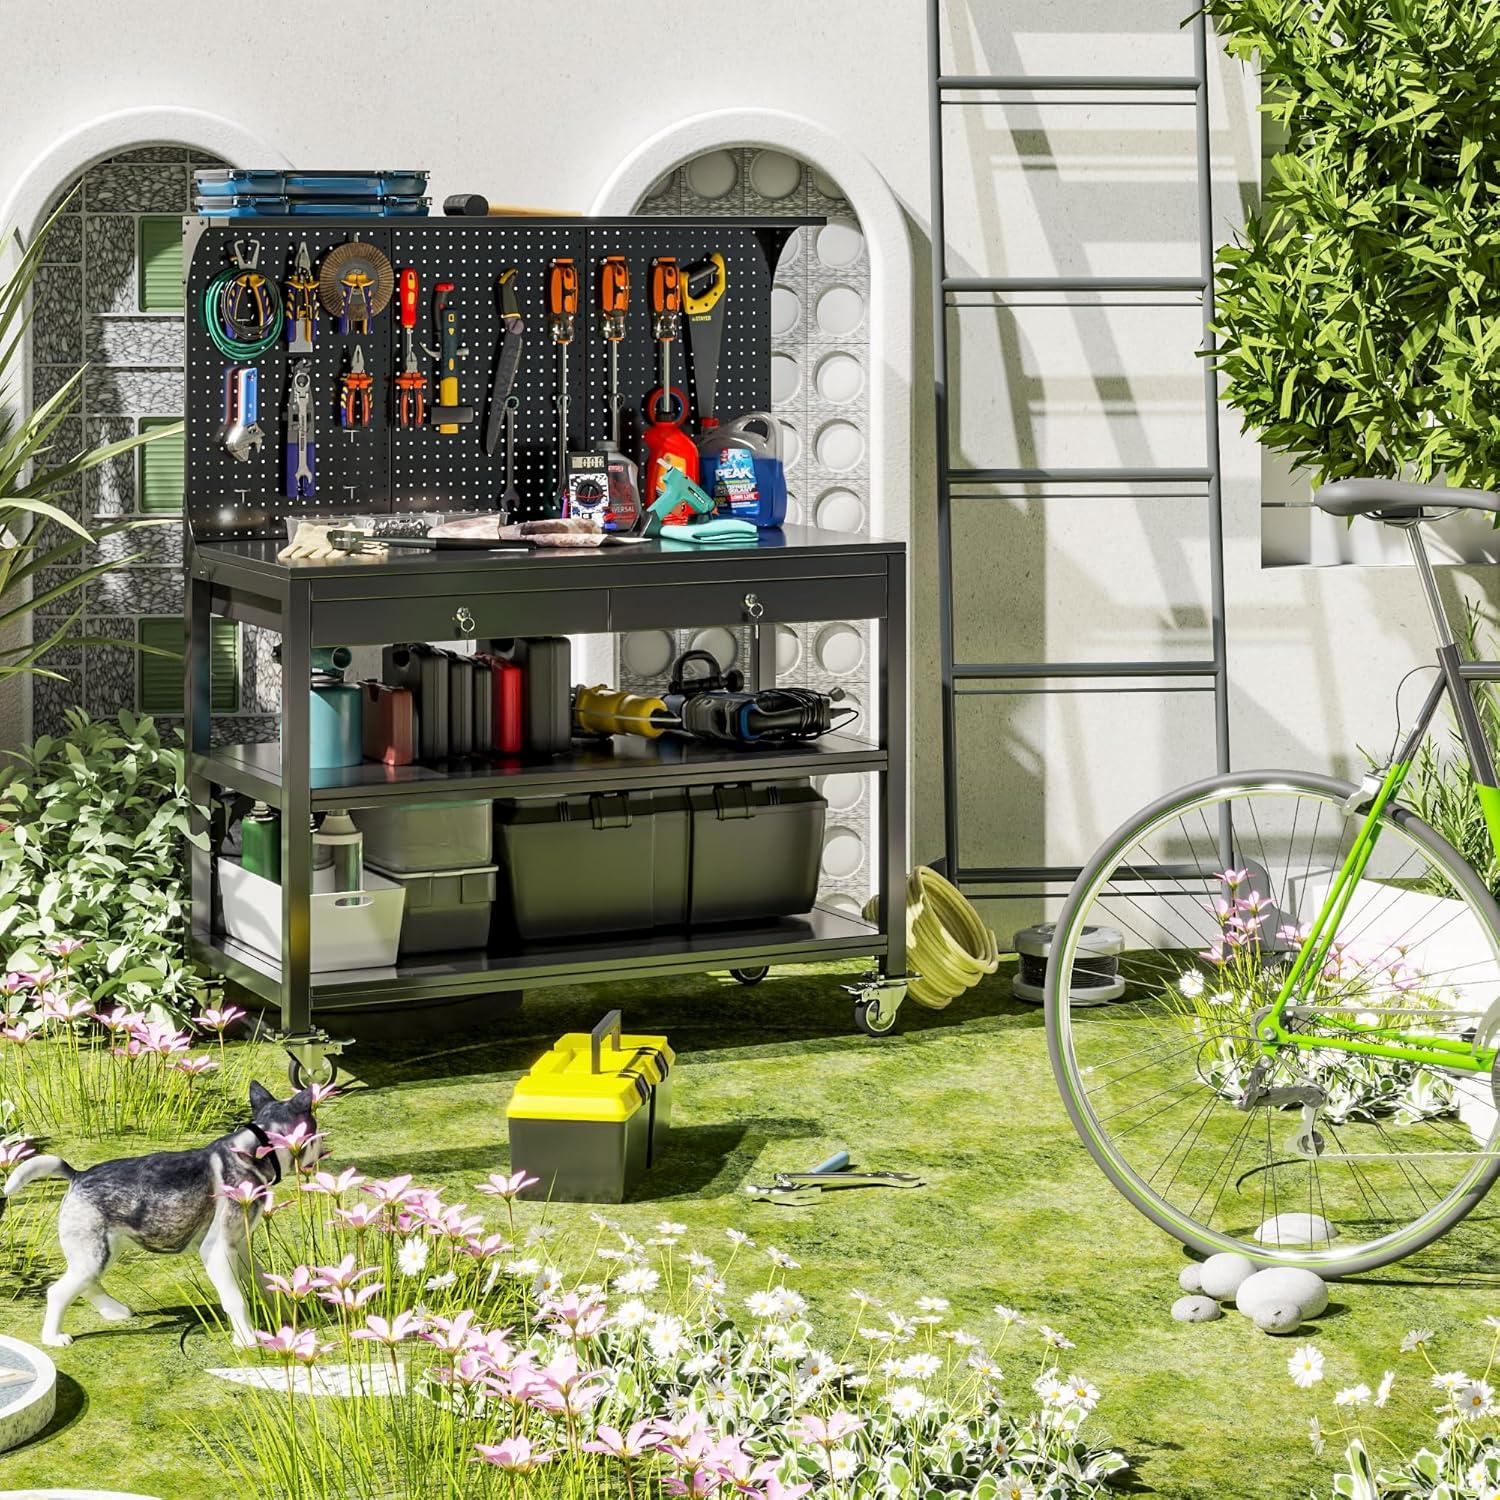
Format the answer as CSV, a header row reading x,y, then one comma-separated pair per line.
x,y
1454,680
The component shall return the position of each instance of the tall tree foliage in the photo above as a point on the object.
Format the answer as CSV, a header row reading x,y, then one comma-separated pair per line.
x,y
1359,310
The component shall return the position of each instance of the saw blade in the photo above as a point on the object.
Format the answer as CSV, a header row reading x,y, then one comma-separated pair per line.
x,y
355,258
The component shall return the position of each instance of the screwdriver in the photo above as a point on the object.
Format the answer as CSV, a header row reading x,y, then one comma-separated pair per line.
x,y
562,307
614,292
666,308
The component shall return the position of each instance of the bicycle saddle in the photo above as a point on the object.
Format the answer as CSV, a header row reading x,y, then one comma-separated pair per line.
x,y
1396,500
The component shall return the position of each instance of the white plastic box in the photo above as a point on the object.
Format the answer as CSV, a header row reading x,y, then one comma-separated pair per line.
x,y
350,930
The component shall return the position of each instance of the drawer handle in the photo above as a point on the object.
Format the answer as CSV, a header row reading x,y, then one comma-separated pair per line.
x,y
753,607
463,620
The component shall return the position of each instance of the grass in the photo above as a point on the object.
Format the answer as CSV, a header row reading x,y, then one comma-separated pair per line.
x,y
772,1077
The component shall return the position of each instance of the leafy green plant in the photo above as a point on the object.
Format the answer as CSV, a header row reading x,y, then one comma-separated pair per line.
x,y
1357,310
94,827
33,478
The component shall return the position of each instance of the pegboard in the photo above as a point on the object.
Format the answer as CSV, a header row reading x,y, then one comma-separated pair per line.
x,y
386,469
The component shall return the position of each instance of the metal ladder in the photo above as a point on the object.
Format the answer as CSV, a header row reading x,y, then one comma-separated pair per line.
x,y
966,677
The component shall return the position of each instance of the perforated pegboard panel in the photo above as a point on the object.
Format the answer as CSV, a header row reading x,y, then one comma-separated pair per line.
x,y
389,469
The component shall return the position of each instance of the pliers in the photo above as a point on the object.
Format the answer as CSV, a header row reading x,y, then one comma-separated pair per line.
x,y
354,410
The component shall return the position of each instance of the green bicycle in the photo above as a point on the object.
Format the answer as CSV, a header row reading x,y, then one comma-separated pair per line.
x,y
1302,1067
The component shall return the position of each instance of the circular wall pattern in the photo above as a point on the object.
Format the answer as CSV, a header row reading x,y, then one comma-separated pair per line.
x,y
840,310
840,445
825,184
841,510
840,378
786,309
843,791
840,648
719,643
788,650
785,378
791,444
647,653
774,174
713,174
840,902
840,243
843,853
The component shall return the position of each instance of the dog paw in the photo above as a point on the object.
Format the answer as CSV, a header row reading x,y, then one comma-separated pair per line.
x,y
57,1340
117,1313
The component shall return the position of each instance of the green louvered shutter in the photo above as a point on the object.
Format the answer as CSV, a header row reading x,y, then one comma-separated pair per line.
x,y
159,678
161,470
161,263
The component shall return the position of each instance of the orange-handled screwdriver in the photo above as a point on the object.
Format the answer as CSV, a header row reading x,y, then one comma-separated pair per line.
x,y
562,308
666,310
614,301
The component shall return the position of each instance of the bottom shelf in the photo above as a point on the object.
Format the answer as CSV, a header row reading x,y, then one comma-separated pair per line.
x,y
821,934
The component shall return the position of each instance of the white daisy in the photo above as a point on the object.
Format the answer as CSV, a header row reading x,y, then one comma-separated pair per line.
x,y
632,1314
1315,1436
1305,1366
782,1259
1053,1337
412,1256
1450,1380
1415,1338
843,1463
1190,984
437,1283
919,1367
932,1304
907,1402
763,1305
666,1337
1007,1315
1352,1395
638,1281
739,1239
1383,1390
1476,1400
1081,1393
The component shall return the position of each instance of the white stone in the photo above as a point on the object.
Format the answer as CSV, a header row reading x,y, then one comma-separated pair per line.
x,y
1277,1317
1296,1229
29,1410
1281,1284
1196,1310
319,1380
1220,1275
1190,1277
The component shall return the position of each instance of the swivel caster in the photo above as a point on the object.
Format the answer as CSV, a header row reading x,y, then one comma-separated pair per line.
x,y
750,976
877,1001
312,1058
872,1019
321,1074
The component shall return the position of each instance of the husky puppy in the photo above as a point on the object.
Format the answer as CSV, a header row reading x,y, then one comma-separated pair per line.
x,y
169,1202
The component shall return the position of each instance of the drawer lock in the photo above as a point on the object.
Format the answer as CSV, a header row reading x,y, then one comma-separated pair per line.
x,y
463,621
753,607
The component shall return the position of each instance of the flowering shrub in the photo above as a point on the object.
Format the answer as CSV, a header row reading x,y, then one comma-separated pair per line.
x,y
1463,1460
1242,971
67,1064
94,825
498,1359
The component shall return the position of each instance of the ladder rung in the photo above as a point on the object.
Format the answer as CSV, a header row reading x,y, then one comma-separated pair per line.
x,y
1061,83
1077,476
997,670
1073,283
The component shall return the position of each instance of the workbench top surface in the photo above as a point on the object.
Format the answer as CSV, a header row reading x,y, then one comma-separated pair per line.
x,y
788,541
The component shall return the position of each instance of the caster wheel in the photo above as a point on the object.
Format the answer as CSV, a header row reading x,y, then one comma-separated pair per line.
x,y
750,976
324,1073
872,1020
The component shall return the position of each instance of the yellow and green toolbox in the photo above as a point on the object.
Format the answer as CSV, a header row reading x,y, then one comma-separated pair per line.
x,y
592,1114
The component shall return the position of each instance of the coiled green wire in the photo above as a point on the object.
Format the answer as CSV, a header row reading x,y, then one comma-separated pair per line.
x,y
231,348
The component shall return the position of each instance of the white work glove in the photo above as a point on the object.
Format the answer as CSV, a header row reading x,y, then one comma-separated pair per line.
x,y
310,544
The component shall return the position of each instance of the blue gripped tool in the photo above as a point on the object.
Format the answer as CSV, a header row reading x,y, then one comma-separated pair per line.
x,y
677,489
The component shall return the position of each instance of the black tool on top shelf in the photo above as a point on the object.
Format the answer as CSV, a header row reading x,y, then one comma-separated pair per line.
x,y
388,280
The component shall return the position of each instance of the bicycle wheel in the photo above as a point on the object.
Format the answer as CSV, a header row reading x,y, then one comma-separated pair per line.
x,y
1348,1162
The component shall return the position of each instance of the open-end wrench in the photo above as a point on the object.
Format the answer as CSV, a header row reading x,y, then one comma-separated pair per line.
x,y
300,452
242,407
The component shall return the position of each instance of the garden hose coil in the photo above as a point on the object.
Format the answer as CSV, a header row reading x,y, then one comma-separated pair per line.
x,y
949,949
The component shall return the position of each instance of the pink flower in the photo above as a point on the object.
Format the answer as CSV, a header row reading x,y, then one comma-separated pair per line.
x,y
245,1192
1215,954
300,1284
131,1049
1255,903
351,1298
451,1335
64,947
1232,877
1294,932
293,1141
57,1007
219,1020
342,1275
501,1186
15,983
776,1490
829,1432
487,1248
626,1447
515,1455
360,1216
290,1344
320,1093
390,1190
195,1067
389,1331
576,1317
119,1019
13,1153
163,1040
326,1182
19,1032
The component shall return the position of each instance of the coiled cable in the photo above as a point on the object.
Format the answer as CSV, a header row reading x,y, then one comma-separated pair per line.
x,y
948,947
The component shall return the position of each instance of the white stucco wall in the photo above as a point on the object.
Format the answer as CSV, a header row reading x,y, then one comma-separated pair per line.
x,y
539,104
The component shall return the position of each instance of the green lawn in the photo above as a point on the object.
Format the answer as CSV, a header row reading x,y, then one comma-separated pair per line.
x,y
774,1077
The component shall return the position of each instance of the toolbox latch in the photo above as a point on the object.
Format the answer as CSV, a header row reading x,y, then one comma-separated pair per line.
x,y
610,809
733,801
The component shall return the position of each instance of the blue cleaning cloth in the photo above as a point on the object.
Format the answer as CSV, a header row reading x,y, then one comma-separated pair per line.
x,y
719,533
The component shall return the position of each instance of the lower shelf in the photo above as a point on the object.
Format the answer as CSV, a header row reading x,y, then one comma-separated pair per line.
x,y
821,934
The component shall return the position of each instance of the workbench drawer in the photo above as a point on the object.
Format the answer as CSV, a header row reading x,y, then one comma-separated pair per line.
x,y
859,596
481,615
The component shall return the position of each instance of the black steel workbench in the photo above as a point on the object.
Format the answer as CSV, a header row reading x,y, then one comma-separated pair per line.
x,y
796,575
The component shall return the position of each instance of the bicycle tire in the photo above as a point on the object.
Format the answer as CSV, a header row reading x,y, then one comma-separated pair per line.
x,y
1458,1203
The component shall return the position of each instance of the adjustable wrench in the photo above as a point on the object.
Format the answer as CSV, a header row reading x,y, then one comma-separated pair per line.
x,y
301,454
241,408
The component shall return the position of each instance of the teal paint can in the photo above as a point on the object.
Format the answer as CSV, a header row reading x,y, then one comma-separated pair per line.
x,y
336,728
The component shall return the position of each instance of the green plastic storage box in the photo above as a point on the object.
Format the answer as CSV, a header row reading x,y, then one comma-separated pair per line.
x,y
592,1115
757,847
606,862
411,837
